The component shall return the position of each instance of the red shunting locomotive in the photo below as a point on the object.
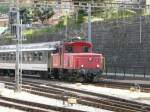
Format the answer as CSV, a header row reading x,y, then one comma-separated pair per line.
x,y
75,61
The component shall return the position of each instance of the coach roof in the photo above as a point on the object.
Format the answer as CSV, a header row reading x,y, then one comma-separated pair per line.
x,y
46,46
79,43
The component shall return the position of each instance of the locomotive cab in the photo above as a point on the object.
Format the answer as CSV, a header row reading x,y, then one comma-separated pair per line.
x,y
78,47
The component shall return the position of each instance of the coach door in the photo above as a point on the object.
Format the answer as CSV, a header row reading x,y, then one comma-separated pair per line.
x,y
49,62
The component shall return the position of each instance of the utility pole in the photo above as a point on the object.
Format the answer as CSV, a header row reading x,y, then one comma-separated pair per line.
x,y
89,23
66,32
18,77
16,32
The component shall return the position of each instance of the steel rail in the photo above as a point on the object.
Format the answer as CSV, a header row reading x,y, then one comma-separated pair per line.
x,y
32,106
101,102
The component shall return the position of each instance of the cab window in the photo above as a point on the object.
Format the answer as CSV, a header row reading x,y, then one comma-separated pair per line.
x,y
69,49
85,49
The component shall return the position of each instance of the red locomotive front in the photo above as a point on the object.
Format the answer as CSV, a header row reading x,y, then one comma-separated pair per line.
x,y
76,60
88,61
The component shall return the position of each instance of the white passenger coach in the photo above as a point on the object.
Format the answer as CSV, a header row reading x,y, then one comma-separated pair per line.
x,y
35,57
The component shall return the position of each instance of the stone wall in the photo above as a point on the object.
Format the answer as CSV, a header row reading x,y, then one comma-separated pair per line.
x,y
119,41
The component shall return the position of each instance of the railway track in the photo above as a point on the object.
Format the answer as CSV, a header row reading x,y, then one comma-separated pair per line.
x,y
119,85
32,106
29,106
21,105
84,97
122,85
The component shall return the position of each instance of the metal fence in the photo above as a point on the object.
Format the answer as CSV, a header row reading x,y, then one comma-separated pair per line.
x,y
126,71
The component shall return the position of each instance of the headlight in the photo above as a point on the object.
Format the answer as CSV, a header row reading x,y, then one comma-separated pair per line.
x,y
97,66
82,66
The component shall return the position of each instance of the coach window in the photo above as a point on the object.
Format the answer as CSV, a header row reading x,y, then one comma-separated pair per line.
x,y
85,49
30,57
1,58
12,56
25,58
68,49
40,56
34,55
7,57
4,57
1,55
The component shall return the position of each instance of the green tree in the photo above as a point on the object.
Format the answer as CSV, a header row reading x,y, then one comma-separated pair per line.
x,y
81,14
43,13
26,14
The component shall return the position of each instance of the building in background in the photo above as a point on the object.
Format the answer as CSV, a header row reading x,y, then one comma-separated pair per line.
x,y
135,3
141,2
4,20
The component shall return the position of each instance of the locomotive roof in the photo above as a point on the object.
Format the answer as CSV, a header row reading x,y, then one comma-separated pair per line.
x,y
45,46
80,43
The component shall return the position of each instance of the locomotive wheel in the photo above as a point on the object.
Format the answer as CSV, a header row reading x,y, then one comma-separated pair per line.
x,y
80,79
90,78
